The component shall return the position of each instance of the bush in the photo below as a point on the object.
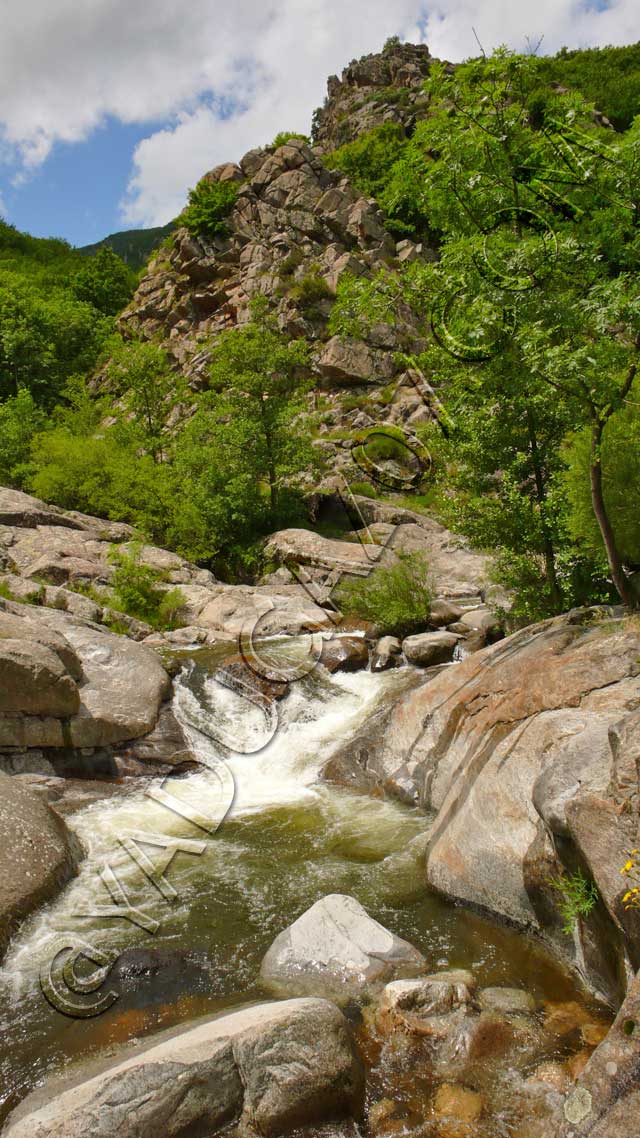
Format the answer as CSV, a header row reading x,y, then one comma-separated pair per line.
x,y
209,204
365,489
310,289
390,43
578,897
397,598
283,137
137,594
369,160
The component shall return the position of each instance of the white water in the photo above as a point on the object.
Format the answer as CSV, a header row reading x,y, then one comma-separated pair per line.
x,y
319,714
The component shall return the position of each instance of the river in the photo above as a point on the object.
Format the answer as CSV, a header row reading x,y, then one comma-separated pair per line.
x,y
287,840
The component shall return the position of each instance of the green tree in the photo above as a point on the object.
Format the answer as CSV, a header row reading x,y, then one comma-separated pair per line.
x,y
242,455
142,378
536,208
105,282
20,420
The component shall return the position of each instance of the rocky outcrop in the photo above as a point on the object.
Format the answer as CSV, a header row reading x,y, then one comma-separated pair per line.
x,y
376,89
38,855
337,950
79,556
525,756
269,1068
296,226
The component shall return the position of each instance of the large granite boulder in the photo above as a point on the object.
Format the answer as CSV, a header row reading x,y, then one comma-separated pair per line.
x,y
72,684
337,950
38,855
268,1067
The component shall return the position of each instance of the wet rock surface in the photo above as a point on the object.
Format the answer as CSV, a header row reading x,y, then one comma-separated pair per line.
x,y
38,855
269,1068
337,950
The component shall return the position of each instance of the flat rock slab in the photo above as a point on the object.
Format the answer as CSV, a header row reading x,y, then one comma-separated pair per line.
x,y
271,1067
337,950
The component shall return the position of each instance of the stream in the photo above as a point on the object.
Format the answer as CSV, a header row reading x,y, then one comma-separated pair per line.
x,y
288,840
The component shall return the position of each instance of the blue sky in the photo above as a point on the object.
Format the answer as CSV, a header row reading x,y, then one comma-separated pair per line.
x,y
111,109
76,193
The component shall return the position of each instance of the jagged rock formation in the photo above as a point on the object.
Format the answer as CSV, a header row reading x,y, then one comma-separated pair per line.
x,y
295,228
382,88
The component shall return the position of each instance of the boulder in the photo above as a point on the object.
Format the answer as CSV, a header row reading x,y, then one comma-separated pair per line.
x,y
337,950
507,1000
409,1005
387,653
38,855
34,681
444,612
164,747
269,1068
430,648
74,685
345,654
352,361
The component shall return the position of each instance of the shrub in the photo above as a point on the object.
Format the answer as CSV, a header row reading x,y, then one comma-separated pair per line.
x,y
365,489
390,43
283,137
397,598
137,594
578,897
209,204
310,289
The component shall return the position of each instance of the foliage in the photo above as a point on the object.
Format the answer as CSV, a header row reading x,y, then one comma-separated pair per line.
x,y
310,289
105,282
370,162
209,204
137,592
142,377
390,43
48,334
284,136
248,444
608,76
620,458
534,208
20,420
396,598
365,489
578,898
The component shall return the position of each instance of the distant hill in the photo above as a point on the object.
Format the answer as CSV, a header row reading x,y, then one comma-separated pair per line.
x,y
134,246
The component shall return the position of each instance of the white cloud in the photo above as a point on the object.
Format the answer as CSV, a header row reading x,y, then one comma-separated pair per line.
x,y
226,76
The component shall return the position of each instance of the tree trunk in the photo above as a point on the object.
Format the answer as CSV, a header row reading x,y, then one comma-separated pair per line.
x,y
625,592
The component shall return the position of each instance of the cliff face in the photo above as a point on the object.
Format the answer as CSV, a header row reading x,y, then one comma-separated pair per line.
x,y
295,228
